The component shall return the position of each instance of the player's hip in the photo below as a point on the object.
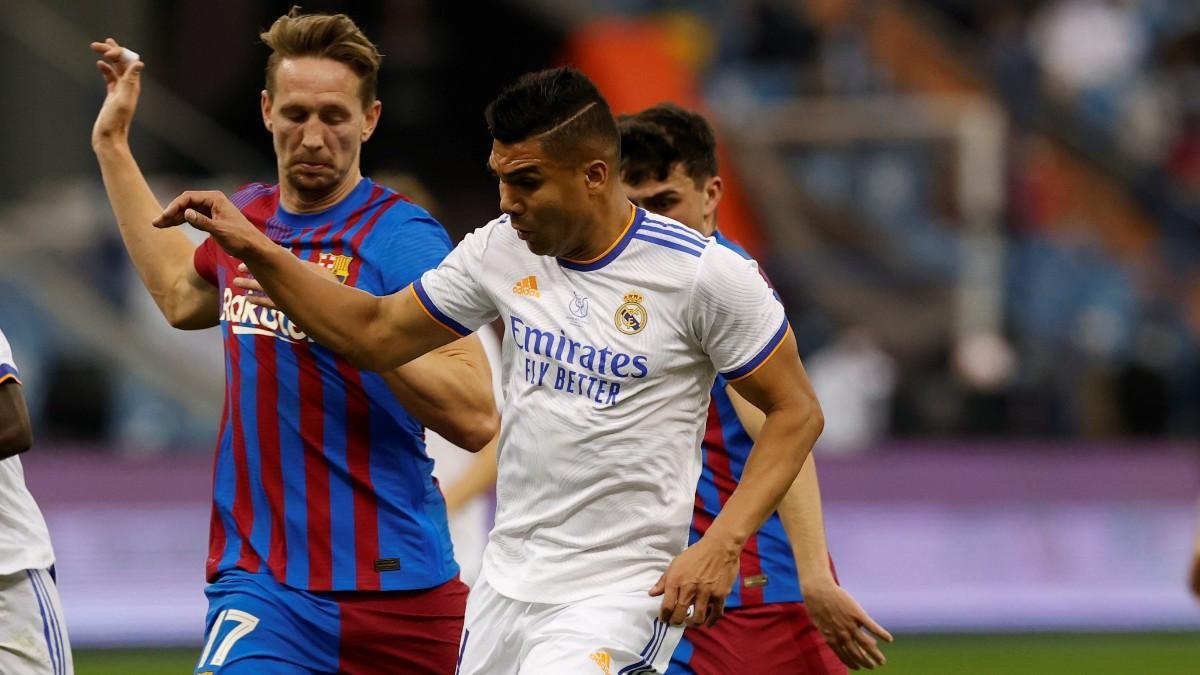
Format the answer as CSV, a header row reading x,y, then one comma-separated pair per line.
x,y
33,633
768,638
253,619
607,633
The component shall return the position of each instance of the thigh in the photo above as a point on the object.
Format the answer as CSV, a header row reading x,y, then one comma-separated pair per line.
x,y
492,633
255,622
774,638
413,632
608,634
33,637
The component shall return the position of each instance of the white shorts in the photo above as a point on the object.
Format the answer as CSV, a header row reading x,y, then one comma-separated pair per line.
x,y
33,637
604,635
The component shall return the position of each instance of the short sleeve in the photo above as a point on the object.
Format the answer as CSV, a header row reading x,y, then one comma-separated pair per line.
x,y
8,369
738,319
204,259
453,293
415,246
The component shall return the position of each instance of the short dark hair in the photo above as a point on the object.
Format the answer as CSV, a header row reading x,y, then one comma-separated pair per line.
x,y
658,138
330,36
562,106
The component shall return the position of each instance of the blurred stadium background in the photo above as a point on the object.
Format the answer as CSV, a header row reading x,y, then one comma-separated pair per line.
x,y
984,218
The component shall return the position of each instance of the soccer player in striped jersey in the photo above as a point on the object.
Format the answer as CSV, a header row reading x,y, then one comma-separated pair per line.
x,y
33,636
329,549
615,326
785,590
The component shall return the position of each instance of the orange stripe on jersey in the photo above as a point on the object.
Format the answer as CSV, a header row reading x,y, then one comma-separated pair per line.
x,y
624,231
9,377
764,361
417,297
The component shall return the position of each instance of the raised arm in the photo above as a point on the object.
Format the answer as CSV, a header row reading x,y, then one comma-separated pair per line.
x,y
373,333
163,259
833,610
704,573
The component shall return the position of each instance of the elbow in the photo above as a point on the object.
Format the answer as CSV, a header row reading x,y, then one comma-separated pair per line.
x,y
479,431
367,359
816,419
16,441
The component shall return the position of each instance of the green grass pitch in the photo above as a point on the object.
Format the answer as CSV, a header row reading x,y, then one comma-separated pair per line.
x,y
990,654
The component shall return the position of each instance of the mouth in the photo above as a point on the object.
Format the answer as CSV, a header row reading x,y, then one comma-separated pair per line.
x,y
311,166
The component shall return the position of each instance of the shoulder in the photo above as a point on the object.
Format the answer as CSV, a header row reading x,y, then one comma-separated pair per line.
x,y
403,216
250,192
497,234
671,239
730,244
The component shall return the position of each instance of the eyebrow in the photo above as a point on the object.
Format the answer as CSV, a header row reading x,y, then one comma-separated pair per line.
x,y
519,173
666,192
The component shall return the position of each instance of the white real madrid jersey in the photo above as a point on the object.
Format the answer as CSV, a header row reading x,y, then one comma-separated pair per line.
x,y
607,369
24,541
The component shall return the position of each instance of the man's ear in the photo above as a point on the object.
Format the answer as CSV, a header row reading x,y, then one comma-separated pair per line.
x,y
265,103
713,189
371,114
596,174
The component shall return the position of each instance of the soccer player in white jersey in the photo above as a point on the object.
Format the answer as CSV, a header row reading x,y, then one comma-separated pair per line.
x,y
615,330
33,636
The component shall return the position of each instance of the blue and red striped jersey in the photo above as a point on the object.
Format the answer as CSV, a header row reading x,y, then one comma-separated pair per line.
x,y
767,567
320,476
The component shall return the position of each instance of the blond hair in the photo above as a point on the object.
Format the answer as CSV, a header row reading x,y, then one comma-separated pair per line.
x,y
330,36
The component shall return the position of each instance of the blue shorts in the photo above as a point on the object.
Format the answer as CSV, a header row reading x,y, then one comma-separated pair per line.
x,y
255,625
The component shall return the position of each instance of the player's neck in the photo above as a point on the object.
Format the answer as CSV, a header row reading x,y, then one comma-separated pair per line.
x,y
608,229
297,201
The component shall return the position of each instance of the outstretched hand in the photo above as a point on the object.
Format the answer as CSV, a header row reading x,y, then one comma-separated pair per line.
x,y
846,626
212,212
123,85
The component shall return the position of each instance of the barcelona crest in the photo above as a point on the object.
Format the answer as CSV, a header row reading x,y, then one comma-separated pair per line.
x,y
338,264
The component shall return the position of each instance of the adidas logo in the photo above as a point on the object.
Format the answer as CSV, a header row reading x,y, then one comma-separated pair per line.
x,y
527,286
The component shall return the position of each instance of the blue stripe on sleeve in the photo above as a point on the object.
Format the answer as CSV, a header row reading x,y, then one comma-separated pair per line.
x,y
669,244
9,371
437,314
762,355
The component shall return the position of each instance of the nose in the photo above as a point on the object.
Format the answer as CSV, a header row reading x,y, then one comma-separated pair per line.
x,y
313,137
509,204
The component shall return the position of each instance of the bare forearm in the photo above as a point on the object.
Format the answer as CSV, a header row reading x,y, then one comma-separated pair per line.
x,y
450,391
160,256
337,316
784,442
371,332
479,477
800,513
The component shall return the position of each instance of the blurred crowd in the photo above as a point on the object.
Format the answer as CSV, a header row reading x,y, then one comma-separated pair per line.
x,y
1101,322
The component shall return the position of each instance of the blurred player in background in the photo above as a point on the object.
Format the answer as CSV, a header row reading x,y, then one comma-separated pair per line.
x,y
329,549
614,330
33,636
669,167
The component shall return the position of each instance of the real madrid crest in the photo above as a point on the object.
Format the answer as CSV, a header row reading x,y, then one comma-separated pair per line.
x,y
631,315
